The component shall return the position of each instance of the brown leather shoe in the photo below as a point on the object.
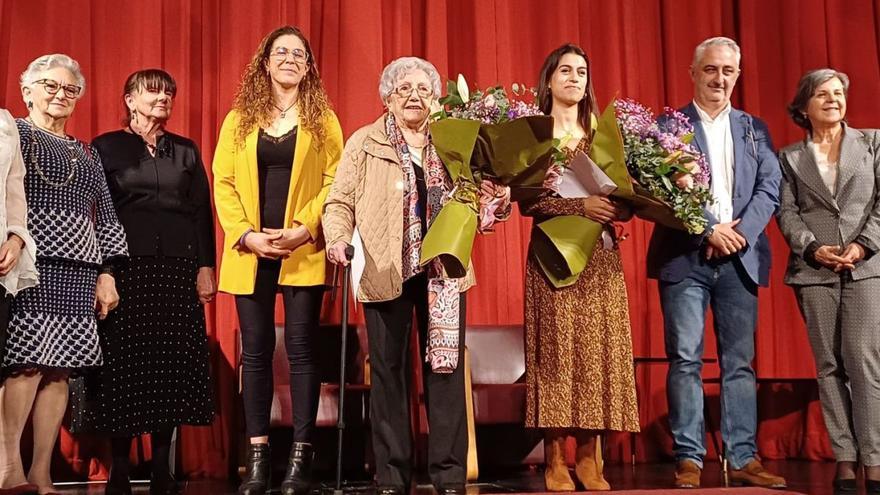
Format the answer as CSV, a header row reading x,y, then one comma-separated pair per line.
x,y
754,474
687,474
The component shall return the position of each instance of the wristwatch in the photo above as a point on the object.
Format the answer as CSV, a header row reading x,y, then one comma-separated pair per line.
x,y
709,232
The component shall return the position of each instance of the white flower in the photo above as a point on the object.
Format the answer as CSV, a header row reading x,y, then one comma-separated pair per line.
x,y
489,101
463,89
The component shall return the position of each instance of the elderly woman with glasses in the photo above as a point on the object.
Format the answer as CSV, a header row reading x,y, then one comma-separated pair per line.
x,y
390,186
275,160
53,330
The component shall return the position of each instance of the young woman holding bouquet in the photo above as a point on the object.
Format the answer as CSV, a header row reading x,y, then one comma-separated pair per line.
x,y
579,374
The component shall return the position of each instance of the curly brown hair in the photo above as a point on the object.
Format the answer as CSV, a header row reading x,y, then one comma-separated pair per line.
x,y
254,103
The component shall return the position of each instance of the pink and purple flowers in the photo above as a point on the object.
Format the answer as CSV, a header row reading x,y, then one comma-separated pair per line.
x,y
661,158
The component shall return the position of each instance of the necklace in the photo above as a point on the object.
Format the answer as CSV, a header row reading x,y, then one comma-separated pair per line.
x,y
284,110
71,150
151,148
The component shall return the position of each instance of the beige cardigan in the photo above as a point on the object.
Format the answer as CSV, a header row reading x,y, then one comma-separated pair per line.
x,y
368,193
13,207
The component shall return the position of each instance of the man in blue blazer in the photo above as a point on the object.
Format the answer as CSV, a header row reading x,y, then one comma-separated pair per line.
x,y
721,268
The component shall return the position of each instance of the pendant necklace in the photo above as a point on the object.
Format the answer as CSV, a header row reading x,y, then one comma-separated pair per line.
x,y
285,110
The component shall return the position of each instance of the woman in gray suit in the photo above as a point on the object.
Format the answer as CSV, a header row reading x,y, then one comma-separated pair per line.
x,y
830,216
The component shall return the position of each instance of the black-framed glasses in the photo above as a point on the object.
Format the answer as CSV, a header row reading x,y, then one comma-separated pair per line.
x,y
53,87
406,90
299,56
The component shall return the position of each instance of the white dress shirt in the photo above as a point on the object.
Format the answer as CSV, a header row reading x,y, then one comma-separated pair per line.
x,y
721,161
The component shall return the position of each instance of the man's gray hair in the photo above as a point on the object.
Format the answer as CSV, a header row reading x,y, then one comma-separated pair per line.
x,y
401,66
807,87
717,41
51,61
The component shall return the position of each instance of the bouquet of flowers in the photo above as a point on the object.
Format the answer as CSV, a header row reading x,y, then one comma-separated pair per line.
x,y
671,176
655,169
481,135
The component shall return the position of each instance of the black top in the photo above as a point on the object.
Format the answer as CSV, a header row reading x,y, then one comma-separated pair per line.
x,y
163,202
274,165
422,190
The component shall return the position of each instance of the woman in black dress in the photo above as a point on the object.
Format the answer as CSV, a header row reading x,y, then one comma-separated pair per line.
x,y
155,374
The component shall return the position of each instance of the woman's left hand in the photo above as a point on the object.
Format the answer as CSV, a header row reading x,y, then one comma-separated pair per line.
x,y
205,285
106,297
853,253
290,238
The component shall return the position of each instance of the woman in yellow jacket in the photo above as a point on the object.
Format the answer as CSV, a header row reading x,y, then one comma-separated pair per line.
x,y
275,160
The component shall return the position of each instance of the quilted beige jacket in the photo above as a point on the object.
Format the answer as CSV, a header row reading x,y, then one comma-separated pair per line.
x,y
368,193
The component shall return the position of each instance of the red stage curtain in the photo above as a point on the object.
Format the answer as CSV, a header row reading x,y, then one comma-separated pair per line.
x,y
640,49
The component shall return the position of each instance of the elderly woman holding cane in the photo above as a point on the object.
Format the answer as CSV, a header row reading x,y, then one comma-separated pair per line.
x,y
390,185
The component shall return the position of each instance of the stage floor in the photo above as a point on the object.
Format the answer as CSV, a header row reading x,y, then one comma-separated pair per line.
x,y
802,476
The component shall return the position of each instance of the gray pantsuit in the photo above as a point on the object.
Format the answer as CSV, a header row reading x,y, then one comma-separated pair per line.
x,y
843,323
841,311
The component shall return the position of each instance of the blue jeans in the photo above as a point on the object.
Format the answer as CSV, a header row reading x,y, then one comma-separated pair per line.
x,y
733,296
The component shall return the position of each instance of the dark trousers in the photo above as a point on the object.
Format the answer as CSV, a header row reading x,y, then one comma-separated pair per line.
x,y
389,326
256,315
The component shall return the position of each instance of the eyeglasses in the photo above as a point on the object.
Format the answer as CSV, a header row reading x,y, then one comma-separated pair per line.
x,y
299,56
406,90
53,87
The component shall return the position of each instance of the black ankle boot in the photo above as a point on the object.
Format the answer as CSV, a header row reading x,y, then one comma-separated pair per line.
x,y
118,482
163,484
258,473
298,477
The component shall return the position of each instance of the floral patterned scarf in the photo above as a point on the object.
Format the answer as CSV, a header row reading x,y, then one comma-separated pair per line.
x,y
443,292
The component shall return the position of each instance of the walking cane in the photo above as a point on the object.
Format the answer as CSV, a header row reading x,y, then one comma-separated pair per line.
x,y
340,422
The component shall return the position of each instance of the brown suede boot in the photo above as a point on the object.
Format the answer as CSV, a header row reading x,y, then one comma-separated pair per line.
x,y
556,475
589,461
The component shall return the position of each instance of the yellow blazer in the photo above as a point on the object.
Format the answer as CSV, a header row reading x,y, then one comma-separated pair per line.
x,y
236,196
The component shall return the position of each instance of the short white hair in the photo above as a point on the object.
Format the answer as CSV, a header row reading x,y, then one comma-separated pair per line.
x,y
717,41
403,65
51,61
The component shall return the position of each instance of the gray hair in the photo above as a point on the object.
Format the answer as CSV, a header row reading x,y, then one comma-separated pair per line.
x,y
717,41
807,88
403,65
51,61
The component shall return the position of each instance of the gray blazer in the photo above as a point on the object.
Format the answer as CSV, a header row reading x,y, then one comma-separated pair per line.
x,y
809,213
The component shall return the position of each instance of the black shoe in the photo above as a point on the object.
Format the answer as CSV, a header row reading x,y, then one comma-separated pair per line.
x,y
847,485
298,476
117,483
390,490
452,490
163,485
258,474
872,486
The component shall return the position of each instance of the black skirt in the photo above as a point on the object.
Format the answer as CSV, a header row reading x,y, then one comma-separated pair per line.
x,y
155,371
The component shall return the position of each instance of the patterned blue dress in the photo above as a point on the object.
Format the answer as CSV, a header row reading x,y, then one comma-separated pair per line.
x,y
53,327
